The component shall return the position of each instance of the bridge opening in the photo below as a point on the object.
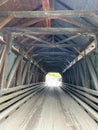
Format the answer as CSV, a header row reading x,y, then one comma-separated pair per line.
x,y
53,79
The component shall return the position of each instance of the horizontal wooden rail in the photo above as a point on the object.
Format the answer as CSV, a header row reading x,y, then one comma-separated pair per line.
x,y
84,89
85,95
92,104
17,88
12,98
94,99
90,111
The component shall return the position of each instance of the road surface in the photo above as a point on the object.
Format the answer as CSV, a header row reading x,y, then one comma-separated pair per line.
x,y
51,109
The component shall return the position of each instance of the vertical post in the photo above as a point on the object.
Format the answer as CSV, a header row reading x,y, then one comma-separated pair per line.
x,y
82,75
19,73
8,39
13,71
2,57
93,74
31,74
96,53
25,72
36,74
77,74
96,40
28,74
34,77
85,70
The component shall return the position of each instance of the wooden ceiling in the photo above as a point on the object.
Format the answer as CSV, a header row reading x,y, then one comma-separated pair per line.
x,y
43,27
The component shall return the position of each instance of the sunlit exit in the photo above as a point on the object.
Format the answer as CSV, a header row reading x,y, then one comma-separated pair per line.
x,y
53,79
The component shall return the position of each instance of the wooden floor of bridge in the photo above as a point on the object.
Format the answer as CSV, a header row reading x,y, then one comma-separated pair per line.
x,y
50,109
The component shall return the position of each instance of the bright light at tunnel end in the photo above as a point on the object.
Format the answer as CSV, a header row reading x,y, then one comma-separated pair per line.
x,y
53,79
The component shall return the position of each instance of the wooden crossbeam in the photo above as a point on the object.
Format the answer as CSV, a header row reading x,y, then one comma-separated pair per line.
x,y
53,53
45,14
50,31
52,45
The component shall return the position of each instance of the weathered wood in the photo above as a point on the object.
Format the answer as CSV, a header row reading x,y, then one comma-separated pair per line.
x,y
28,75
29,23
51,45
88,49
50,31
4,70
74,23
87,90
31,74
25,55
19,73
96,40
13,71
15,94
45,14
5,21
91,112
53,53
92,98
2,58
15,106
85,99
46,7
36,38
6,91
92,73
68,39
25,70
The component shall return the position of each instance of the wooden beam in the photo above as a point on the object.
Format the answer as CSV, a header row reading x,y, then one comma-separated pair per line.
x,y
87,50
5,21
46,7
26,56
29,23
74,23
3,79
2,57
53,53
50,45
30,49
68,39
19,73
13,71
46,14
25,70
36,38
50,31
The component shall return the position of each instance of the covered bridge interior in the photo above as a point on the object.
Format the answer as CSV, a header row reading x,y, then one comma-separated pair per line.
x,y
41,36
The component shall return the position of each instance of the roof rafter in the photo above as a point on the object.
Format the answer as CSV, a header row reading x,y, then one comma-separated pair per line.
x,y
5,21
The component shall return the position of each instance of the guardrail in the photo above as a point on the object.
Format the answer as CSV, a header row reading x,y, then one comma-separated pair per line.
x,y
13,98
88,98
